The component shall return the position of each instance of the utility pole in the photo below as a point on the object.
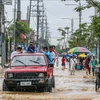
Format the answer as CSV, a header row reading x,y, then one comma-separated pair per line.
x,y
28,10
67,37
18,9
0,27
42,23
46,28
2,31
14,24
29,14
37,11
80,12
38,15
72,23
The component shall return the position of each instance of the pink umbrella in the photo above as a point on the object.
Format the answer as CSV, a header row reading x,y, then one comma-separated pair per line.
x,y
79,50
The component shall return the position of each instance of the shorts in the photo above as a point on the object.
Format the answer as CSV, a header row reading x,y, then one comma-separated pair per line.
x,y
63,64
51,65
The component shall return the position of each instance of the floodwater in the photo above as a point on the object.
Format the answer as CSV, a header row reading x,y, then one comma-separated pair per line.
x,y
77,87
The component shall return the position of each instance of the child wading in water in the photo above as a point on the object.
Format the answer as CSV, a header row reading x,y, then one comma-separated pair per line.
x,y
63,62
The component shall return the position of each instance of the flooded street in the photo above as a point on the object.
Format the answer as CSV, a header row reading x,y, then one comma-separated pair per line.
x,y
77,87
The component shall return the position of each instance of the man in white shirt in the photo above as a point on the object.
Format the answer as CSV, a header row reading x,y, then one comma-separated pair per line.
x,y
72,65
18,50
53,53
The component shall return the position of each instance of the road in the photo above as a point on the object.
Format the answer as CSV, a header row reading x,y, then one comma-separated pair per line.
x,y
77,87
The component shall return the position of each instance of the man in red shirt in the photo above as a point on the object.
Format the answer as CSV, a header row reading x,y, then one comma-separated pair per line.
x,y
63,62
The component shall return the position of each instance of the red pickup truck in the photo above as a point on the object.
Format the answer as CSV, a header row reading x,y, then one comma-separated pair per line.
x,y
29,71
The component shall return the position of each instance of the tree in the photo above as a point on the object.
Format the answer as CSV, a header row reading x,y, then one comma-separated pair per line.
x,y
87,33
63,33
90,3
95,26
85,39
21,27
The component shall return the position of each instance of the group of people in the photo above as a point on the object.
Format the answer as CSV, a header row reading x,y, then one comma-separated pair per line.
x,y
88,63
30,48
72,63
50,52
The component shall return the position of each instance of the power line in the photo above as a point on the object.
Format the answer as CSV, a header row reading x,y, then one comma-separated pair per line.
x,y
53,14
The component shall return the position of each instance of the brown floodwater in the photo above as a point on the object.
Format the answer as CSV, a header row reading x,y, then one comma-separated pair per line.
x,y
77,87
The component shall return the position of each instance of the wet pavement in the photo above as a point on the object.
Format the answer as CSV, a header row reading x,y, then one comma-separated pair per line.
x,y
77,87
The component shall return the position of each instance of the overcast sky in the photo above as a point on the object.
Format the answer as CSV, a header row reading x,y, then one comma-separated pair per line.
x,y
55,10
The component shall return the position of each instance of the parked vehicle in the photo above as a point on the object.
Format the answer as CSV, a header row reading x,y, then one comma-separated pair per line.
x,y
29,71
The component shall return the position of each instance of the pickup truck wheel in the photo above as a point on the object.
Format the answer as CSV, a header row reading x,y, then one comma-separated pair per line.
x,y
5,88
49,86
53,81
40,89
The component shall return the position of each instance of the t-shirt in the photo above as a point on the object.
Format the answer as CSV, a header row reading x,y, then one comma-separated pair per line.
x,y
72,61
63,60
49,57
53,55
13,54
29,49
87,61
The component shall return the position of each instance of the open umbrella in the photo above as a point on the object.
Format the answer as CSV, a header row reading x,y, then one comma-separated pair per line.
x,y
78,50
89,55
82,55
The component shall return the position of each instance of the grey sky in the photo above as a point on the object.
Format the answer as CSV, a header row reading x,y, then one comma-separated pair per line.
x,y
55,10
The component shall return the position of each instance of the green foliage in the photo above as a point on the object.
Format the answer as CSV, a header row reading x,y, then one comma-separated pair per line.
x,y
89,4
86,35
21,27
62,31
83,36
95,26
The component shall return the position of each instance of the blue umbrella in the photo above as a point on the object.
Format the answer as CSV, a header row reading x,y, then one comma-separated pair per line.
x,y
89,55
68,55
74,55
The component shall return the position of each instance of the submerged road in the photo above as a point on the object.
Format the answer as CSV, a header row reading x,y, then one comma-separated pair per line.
x,y
77,87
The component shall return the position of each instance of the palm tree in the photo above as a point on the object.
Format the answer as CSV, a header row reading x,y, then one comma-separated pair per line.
x,y
63,33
